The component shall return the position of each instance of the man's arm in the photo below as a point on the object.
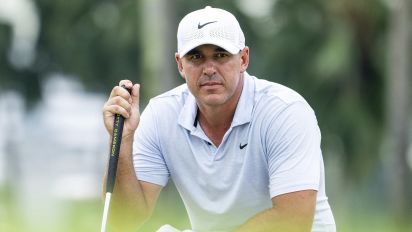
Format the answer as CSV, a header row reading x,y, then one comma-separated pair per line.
x,y
291,212
132,201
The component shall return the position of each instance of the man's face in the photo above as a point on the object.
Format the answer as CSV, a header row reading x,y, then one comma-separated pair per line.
x,y
214,76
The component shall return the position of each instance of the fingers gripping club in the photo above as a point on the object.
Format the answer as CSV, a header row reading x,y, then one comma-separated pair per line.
x,y
113,160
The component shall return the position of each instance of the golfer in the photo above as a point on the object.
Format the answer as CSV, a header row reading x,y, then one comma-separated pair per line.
x,y
243,152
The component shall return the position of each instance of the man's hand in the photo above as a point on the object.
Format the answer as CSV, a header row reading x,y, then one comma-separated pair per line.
x,y
125,104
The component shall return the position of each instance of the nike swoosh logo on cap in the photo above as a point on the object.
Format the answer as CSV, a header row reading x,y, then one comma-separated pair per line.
x,y
200,26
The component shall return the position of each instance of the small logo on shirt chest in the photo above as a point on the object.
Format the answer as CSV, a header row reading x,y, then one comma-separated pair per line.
x,y
242,146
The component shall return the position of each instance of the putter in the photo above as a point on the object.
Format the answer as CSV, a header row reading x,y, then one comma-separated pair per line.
x,y
114,157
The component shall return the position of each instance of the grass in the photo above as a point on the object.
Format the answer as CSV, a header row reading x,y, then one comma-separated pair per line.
x,y
85,216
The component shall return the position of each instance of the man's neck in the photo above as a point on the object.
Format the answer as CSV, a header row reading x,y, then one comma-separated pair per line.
x,y
216,123
216,120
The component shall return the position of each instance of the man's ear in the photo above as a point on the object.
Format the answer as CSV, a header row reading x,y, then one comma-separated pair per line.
x,y
244,59
179,65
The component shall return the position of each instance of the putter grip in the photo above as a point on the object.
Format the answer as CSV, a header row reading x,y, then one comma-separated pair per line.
x,y
114,150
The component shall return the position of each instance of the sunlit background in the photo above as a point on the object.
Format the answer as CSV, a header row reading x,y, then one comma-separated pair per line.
x,y
59,60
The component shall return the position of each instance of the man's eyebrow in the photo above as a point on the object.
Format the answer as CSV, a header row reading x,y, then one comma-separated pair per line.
x,y
193,51
219,49
197,51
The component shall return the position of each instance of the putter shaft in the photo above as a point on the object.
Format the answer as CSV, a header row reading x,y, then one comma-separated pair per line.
x,y
114,158
106,211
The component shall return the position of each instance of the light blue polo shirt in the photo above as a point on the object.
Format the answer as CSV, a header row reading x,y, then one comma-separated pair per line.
x,y
271,148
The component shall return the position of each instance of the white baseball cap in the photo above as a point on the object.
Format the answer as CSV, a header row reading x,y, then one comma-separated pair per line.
x,y
209,26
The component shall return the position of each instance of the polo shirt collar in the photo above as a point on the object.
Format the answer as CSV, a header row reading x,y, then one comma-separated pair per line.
x,y
243,114
188,113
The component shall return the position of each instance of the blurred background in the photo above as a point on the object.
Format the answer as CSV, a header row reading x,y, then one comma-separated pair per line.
x,y
59,60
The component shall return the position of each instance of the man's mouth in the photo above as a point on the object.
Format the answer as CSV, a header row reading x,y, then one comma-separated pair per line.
x,y
210,83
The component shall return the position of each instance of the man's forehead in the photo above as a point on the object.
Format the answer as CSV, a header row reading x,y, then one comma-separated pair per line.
x,y
207,47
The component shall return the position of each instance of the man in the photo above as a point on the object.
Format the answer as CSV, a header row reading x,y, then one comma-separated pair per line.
x,y
243,152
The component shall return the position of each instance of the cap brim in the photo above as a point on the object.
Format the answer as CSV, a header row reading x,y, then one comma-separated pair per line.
x,y
227,45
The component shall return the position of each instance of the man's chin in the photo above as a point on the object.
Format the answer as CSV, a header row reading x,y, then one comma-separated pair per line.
x,y
213,100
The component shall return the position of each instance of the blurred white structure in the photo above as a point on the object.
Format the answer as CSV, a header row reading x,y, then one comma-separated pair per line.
x,y
54,154
24,21
12,111
78,142
256,9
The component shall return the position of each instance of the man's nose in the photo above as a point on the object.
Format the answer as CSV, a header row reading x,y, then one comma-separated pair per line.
x,y
209,68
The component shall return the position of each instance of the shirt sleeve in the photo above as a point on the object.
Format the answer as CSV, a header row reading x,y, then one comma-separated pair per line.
x,y
293,150
148,160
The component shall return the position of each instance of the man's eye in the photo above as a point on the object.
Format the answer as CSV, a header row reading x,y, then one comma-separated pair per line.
x,y
221,55
194,56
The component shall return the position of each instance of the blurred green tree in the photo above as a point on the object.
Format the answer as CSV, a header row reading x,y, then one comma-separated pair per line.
x,y
95,41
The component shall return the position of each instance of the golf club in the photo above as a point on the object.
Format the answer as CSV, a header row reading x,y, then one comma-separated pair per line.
x,y
114,157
